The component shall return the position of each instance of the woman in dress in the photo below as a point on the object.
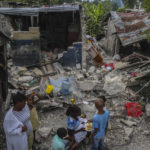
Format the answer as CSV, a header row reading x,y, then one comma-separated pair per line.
x,y
17,125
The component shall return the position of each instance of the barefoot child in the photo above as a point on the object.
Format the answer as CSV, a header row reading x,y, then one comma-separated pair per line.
x,y
33,118
76,126
100,121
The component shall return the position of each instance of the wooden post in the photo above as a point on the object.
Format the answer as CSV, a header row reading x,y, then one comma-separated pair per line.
x,y
1,118
32,21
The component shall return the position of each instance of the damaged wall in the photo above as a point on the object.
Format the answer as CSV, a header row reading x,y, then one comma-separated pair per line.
x,y
59,29
26,47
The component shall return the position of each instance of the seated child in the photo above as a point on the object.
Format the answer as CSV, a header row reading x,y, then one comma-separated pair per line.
x,y
100,122
33,118
58,142
76,126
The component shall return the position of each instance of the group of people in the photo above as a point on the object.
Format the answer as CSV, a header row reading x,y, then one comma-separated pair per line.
x,y
72,137
21,122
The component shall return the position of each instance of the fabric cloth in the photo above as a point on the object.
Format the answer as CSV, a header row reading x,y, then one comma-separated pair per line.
x,y
58,143
35,124
13,123
72,123
34,119
97,144
100,122
80,136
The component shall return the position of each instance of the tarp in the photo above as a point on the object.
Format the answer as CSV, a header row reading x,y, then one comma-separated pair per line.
x,y
36,11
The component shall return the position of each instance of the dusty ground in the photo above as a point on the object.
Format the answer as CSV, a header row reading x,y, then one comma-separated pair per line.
x,y
116,139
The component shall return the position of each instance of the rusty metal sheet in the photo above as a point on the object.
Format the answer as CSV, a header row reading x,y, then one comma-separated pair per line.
x,y
131,27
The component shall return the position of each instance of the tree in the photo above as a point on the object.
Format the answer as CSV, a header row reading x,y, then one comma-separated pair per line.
x,y
130,3
95,14
146,5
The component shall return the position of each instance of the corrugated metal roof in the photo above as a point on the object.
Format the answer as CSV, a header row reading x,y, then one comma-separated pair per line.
x,y
131,27
36,11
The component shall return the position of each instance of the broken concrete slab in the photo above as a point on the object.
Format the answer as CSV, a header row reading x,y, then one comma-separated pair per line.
x,y
86,85
91,70
58,68
80,77
38,72
128,122
119,65
27,73
25,78
78,66
128,131
113,83
147,108
47,103
44,132
21,69
13,83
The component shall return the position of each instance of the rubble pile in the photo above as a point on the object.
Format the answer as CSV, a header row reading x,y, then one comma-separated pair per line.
x,y
119,81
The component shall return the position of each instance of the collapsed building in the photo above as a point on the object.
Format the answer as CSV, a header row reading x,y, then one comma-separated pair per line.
x,y
45,50
127,32
43,29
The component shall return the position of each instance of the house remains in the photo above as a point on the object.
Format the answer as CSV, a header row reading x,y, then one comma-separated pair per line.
x,y
125,30
48,49
49,29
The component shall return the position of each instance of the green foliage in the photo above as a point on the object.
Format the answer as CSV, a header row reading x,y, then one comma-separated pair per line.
x,y
131,3
123,10
94,16
146,5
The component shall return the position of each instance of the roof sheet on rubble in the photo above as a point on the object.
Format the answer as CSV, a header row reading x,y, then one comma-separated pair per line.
x,y
36,11
131,27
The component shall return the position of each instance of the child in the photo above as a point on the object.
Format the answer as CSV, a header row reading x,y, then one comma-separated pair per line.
x,y
100,121
33,118
76,126
58,142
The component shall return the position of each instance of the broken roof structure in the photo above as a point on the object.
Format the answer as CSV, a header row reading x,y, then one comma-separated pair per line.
x,y
36,11
125,29
131,27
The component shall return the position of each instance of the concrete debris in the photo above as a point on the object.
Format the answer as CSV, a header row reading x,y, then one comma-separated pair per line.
x,y
44,132
147,110
128,132
80,77
113,83
59,68
25,78
78,66
47,103
38,72
86,85
91,70
27,73
128,122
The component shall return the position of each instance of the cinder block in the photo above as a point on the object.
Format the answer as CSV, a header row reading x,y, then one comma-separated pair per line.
x,y
34,29
25,35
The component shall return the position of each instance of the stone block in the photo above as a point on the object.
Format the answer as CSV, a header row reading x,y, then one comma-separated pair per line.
x,y
147,110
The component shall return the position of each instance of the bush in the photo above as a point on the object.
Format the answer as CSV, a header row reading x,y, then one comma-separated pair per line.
x,y
95,14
